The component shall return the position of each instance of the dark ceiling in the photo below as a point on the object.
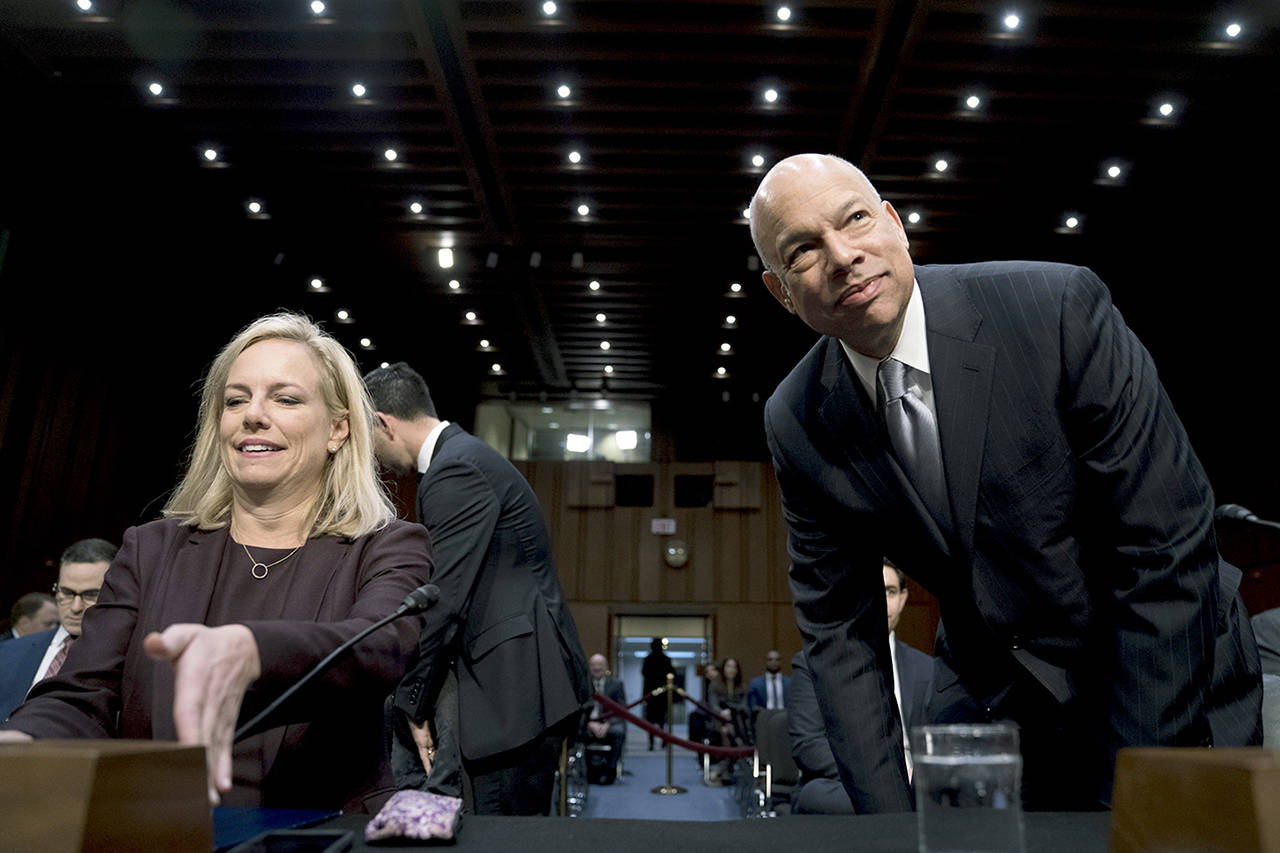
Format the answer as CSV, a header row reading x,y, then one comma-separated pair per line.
x,y
666,109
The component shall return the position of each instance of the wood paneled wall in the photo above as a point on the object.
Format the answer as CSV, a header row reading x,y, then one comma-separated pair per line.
x,y
610,563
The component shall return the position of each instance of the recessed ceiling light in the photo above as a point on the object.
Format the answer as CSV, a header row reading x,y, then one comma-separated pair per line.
x,y
914,217
343,314
454,284
1165,109
471,316
722,371
593,285
549,8
358,90
1233,30
415,207
600,318
1114,171
317,7
390,154
941,165
366,343
1012,21
584,210
385,365
973,102
317,284
746,213
604,345
770,96
735,287
784,13
155,88
495,367
484,343
254,206
575,157
84,5
757,160
1071,222
725,347
731,320
608,368
444,258
563,90
210,154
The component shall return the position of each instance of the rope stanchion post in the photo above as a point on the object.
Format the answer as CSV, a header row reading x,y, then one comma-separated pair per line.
x,y
563,805
669,788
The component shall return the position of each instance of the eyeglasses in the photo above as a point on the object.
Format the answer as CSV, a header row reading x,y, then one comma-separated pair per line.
x,y
65,595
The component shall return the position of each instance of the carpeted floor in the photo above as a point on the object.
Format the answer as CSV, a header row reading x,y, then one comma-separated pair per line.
x,y
632,796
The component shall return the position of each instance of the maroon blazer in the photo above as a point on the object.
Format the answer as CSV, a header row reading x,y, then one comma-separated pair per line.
x,y
331,754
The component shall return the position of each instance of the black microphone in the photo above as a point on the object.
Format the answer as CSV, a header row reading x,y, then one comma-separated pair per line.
x,y
415,602
1236,512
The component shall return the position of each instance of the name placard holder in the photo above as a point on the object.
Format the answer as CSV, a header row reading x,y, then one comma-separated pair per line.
x,y
104,795
1196,799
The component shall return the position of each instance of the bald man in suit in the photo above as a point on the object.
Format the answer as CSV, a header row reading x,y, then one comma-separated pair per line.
x,y
998,432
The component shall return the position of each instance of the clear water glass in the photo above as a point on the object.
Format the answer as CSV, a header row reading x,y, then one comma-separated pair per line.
x,y
968,781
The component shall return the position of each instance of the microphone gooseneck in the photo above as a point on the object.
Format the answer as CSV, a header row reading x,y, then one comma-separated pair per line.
x,y
415,602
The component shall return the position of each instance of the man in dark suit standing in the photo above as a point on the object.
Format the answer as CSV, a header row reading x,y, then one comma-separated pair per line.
x,y
769,690
999,432
34,657
502,636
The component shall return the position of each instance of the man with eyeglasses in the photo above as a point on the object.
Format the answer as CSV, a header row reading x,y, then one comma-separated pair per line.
x,y
33,658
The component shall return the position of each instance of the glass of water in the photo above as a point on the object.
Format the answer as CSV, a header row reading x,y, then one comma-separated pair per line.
x,y
968,781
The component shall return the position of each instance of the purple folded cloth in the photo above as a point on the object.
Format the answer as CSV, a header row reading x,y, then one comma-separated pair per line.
x,y
416,816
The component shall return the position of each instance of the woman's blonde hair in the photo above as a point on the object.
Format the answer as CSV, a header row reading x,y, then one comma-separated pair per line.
x,y
352,499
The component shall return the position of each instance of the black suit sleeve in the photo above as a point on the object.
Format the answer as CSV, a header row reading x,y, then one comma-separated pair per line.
x,y
809,746
460,509
837,585
1150,505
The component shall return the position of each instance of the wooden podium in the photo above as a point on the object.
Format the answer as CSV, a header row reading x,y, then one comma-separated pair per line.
x,y
1187,800
104,795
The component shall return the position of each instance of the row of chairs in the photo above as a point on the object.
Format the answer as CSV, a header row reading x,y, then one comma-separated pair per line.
x,y
774,775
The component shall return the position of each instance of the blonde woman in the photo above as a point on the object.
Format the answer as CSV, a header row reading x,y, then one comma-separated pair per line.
x,y
278,544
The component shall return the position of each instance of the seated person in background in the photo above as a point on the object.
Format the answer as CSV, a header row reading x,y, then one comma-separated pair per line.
x,y
31,614
820,789
278,544
30,659
613,730
728,698
699,721
769,690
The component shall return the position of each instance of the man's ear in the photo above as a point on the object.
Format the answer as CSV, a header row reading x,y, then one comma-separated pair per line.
x,y
385,424
779,289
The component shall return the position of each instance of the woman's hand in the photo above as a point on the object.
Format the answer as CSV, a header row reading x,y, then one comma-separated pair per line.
x,y
212,669
10,736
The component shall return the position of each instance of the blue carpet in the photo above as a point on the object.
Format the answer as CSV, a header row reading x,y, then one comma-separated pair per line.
x,y
632,796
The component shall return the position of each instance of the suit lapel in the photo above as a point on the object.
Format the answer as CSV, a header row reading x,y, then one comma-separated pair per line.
x,y
962,372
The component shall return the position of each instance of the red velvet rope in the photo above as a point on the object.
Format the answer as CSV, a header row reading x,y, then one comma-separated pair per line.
x,y
616,710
